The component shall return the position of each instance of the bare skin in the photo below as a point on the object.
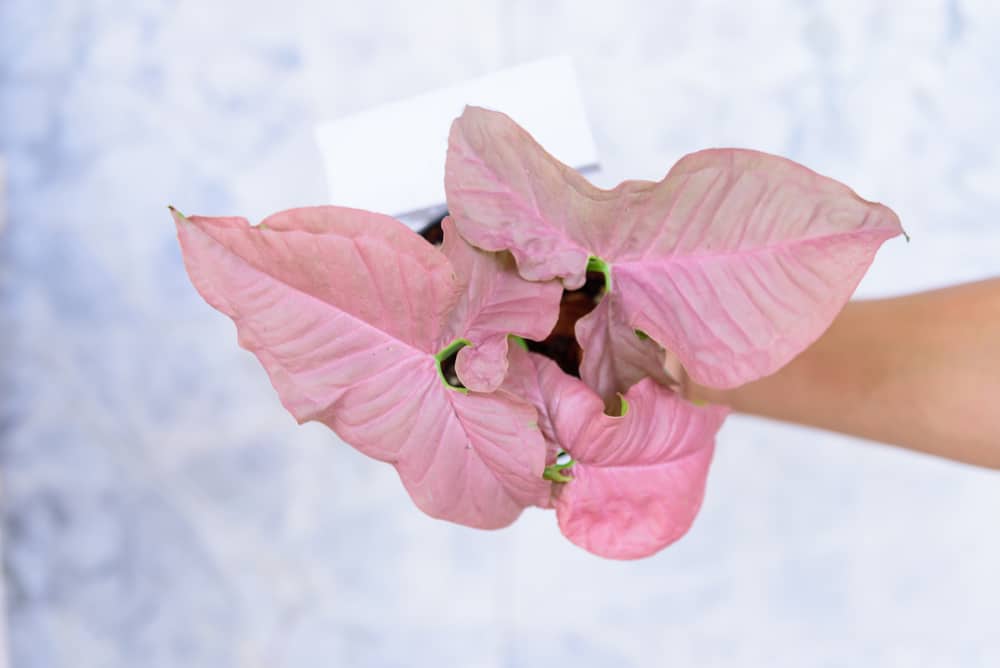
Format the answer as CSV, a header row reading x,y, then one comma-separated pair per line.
x,y
920,371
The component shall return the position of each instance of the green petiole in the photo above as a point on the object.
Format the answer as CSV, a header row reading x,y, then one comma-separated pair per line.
x,y
447,355
554,472
595,263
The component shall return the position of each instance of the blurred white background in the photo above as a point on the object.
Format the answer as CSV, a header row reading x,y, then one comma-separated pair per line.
x,y
161,509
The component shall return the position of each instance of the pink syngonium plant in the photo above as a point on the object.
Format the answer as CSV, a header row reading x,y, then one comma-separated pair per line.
x,y
731,266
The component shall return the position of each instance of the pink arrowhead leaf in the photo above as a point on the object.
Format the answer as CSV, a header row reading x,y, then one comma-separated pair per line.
x,y
637,479
495,301
350,314
736,261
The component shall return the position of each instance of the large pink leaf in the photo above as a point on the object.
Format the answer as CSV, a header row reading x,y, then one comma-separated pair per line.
x,y
638,479
345,310
736,261
494,301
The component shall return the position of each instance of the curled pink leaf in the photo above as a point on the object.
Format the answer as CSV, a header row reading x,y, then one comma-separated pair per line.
x,y
494,301
522,380
617,356
638,479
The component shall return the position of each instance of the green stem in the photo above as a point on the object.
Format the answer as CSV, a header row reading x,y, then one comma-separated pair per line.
x,y
444,354
554,472
518,340
595,263
451,349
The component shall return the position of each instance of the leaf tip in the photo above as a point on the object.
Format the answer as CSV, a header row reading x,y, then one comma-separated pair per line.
x,y
178,216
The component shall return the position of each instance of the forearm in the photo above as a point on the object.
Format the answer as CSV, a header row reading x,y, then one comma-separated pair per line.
x,y
920,371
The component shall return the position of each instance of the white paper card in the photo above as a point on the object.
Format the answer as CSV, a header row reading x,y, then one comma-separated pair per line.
x,y
390,159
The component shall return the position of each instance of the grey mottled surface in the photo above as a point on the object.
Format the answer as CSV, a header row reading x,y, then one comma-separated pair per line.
x,y
161,509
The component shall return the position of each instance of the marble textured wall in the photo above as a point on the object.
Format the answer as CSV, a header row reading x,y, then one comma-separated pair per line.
x,y
160,507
